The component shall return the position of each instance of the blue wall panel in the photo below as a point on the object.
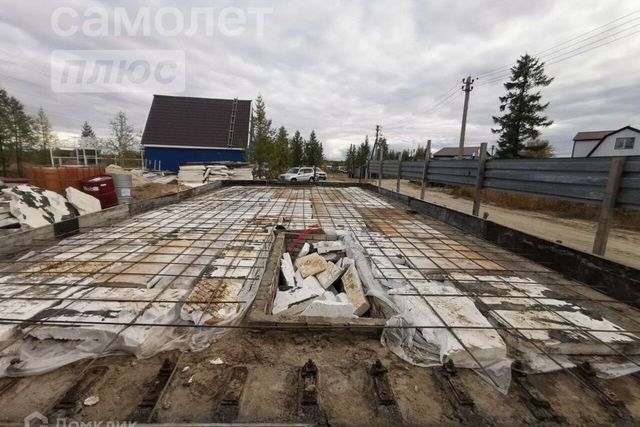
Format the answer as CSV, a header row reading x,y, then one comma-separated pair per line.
x,y
172,158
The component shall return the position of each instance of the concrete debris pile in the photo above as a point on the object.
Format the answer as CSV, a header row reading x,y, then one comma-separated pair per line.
x,y
323,282
196,175
32,207
137,177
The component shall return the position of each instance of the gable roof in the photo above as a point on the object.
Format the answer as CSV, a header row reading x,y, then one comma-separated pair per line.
x,y
196,122
453,151
609,134
591,135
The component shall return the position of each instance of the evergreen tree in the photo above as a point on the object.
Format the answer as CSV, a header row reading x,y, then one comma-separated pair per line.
x,y
20,130
5,134
280,154
87,131
363,152
313,155
382,143
521,107
296,150
261,138
350,159
43,132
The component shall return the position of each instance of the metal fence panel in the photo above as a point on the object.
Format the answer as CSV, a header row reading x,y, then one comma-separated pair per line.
x,y
629,192
579,180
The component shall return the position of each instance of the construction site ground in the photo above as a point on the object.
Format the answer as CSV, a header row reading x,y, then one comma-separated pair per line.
x,y
260,367
273,360
622,246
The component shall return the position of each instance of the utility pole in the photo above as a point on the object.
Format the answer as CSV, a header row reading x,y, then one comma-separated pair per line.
x,y
467,88
379,155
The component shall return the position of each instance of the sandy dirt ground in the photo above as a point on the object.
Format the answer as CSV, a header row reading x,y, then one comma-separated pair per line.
x,y
155,189
273,358
623,246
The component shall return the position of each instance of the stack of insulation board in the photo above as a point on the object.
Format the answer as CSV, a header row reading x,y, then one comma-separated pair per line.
x,y
196,175
6,219
323,283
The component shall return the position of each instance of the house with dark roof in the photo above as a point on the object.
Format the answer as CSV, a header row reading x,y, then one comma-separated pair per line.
x,y
606,143
452,153
182,130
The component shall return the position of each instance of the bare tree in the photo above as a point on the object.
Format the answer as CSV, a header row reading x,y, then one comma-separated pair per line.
x,y
124,139
43,133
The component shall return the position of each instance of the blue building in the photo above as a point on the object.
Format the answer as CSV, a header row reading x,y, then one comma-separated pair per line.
x,y
184,130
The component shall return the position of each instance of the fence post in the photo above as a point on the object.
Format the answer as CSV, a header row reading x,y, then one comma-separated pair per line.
x,y
367,175
380,170
608,204
427,158
399,174
477,195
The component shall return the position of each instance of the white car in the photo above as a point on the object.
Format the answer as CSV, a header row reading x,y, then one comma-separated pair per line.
x,y
301,174
322,175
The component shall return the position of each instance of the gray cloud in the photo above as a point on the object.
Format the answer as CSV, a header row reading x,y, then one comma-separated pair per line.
x,y
341,67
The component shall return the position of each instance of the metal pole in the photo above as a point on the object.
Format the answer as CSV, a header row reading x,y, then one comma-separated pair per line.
x,y
84,156
608,205
53,164
399,173
427,158
380,167
477,195
467,88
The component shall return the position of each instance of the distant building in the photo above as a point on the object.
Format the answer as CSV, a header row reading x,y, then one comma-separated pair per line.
x,y
452,153
182,130
605,143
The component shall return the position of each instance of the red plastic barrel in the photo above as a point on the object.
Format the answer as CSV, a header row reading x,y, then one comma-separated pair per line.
x,y
101,187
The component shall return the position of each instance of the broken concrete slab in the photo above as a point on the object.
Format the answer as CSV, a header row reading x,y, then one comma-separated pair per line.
x,y
286,266
83,202
344,262
311,264
323,276
331,309
287,299
353,289
298,278
305,250
331,275
327,246
37,207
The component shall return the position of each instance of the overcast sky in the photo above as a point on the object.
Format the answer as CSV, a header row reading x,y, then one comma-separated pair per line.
x,y
341,67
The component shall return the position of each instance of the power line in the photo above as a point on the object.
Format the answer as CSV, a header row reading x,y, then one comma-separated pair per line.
x,y
554,47
562,58
552,57
455,96
559,54
443,97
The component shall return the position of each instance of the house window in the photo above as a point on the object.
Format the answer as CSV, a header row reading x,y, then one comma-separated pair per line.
x,y
624,143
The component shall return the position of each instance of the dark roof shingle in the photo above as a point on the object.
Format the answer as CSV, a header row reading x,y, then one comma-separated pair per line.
x,y
199,122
